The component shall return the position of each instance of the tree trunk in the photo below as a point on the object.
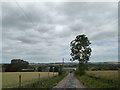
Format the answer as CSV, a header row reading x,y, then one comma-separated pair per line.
x,y
81,68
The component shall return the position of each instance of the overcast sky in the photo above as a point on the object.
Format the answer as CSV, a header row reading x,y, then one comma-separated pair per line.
x,y
42,32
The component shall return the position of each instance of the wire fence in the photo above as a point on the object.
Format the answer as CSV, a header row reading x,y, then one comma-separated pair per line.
x,y
37,82
28,81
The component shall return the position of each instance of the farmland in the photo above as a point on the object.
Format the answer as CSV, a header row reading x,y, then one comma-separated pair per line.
x,y
10,79
113,75
100,79
0,80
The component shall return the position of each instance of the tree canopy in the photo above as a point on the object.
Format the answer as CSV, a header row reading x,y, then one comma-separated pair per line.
x,y
80,49
17,65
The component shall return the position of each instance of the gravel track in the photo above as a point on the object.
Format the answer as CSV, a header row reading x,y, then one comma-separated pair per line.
x,y
69,82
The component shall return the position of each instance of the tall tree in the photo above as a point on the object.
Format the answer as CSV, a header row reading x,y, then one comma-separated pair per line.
x,y
51,69
40,69
80,51
56,69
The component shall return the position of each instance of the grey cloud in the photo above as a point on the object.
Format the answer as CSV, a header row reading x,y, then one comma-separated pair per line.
x,y
55,25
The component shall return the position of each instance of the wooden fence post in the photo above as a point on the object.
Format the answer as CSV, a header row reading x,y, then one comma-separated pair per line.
x,y
53,71
93,83
48,74
39,76
19,81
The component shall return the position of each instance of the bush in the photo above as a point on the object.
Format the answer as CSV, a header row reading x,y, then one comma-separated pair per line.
x,y
61,71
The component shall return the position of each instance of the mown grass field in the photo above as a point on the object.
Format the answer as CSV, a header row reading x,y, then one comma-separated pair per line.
x,y
11,79
100,79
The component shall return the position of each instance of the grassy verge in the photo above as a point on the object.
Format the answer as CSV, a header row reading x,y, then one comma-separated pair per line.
x,y
50,83
91,82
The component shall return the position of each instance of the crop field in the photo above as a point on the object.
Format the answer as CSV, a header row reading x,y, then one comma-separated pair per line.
x,y
109,75
11,79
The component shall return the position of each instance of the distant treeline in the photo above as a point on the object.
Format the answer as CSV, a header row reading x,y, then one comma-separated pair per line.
x,y
103,66
18,65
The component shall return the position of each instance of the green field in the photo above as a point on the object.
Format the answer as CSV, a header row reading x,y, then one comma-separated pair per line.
x,y
11,79
108,75
100,79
